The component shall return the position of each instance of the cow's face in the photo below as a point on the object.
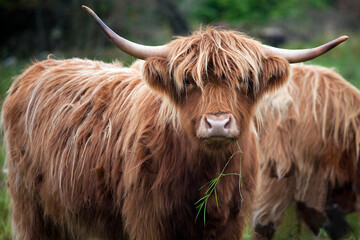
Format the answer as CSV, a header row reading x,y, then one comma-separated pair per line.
x,y
215,89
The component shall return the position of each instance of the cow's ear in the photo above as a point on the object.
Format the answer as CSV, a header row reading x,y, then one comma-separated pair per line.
x,y
275,72
156,74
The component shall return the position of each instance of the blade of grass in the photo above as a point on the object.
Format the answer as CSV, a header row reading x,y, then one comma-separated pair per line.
x,y
211,187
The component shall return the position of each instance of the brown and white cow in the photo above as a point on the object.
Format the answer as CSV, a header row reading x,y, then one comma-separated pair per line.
x,y
308,152
98,150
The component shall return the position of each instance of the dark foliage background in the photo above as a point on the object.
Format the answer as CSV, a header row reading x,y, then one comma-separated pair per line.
x,y
31,27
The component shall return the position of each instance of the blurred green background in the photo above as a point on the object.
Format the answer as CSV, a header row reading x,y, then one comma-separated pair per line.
x,y
32,29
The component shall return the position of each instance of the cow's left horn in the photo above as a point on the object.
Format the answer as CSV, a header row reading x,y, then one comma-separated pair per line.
x,y
131,48
302,55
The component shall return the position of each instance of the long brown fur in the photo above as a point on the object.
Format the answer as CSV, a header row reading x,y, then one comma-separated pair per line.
x,y
308,147
99,150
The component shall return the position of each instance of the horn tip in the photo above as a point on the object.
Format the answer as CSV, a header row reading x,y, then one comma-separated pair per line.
x,y
341,39
344,38
86,8
89,11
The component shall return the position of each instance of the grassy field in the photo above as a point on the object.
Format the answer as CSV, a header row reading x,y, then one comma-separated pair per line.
x,y
345,59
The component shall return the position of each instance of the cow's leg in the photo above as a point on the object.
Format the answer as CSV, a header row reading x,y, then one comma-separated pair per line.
x,y
27,216
336,225
357,178
316,214
311,198
341,200
319,203
273,197
29,223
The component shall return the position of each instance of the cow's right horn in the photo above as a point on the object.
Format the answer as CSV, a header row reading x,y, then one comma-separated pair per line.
x,y
131,48
302,55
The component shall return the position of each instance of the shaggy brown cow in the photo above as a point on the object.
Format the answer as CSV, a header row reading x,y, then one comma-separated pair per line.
x,y
308,151
99,150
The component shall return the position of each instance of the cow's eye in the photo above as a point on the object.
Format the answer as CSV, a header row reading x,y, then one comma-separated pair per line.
x,y
187,81
245,85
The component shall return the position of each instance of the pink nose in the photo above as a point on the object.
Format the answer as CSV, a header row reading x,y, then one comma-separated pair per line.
x,y
217,125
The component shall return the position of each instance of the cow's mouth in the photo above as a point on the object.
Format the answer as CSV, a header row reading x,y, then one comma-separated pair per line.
x,y
217,142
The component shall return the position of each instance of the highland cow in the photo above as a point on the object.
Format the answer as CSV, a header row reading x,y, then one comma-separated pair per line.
x,y
98,150
308,152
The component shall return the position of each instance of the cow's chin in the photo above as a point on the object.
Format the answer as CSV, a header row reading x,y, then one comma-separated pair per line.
x,y
216,144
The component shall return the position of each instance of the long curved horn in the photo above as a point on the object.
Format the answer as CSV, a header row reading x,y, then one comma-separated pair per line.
x,y
131,48
302,55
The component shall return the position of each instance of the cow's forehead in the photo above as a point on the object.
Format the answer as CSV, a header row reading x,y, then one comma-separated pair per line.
x,y
213,41
225,54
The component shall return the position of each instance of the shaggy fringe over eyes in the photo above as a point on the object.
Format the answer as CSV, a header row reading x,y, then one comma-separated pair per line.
x,y
228,55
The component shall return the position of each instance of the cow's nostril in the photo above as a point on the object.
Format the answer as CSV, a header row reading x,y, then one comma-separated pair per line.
x,y
228,124
216,124
207,124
